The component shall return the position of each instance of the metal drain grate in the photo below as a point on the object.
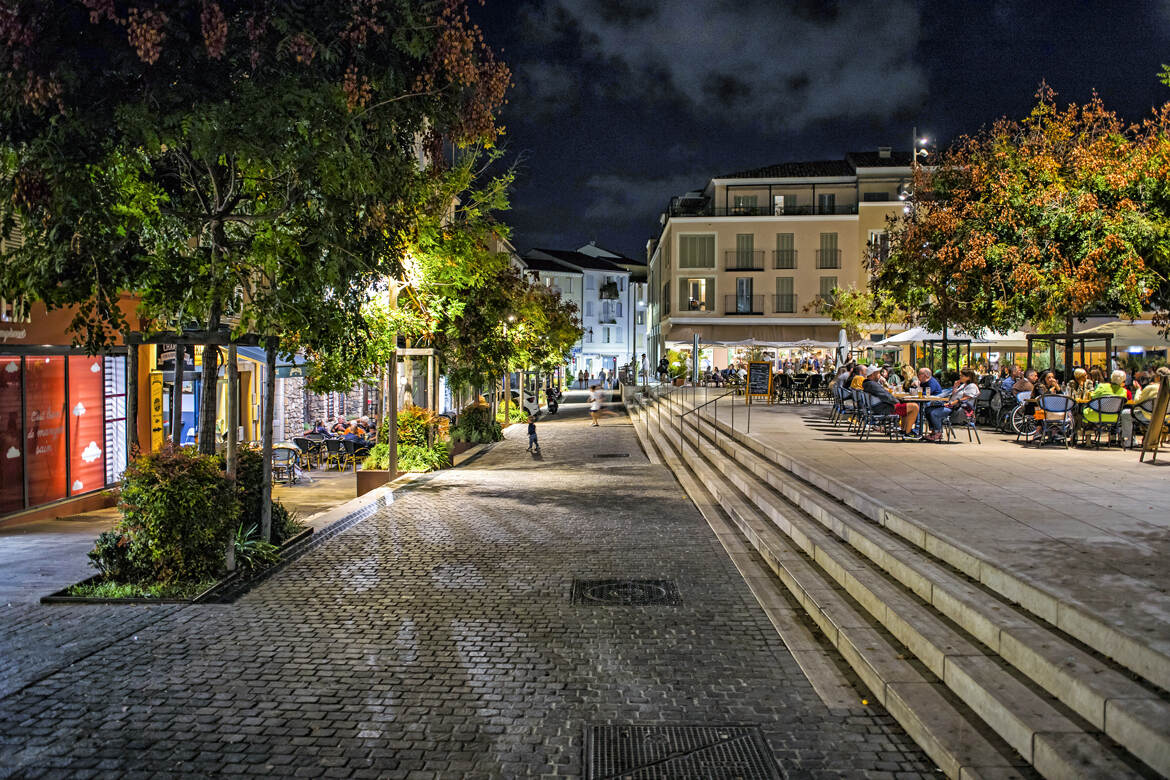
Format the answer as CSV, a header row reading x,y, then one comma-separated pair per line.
x,y
613,455
629,593
662,752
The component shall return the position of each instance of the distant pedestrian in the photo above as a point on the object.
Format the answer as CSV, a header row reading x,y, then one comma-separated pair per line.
x,y
663,369
533,444
595,404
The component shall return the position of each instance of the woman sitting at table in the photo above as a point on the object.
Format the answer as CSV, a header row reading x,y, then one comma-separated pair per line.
x,y
963,396
1079,386
320,428
1115,386
885,403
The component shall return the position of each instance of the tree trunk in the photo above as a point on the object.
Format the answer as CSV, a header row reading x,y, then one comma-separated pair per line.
x,y
392,396
209,400
232,412
131,395
269,411
177,395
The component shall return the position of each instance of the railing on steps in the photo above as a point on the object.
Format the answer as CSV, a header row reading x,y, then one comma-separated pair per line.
x,y
699,418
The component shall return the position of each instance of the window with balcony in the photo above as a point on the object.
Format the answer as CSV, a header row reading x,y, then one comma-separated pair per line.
x,y
785,301
826,203
745,257
828,256
744,302
875,197
696,251
785,251
605,336
697,294
828,284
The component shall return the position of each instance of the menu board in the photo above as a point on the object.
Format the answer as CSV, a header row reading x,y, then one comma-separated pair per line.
x,y
1153,437
760,379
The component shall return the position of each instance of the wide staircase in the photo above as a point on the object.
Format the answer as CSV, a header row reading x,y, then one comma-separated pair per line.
x,y
986,686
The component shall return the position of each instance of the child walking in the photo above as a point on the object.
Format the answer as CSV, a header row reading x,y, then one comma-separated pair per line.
x,y
533,444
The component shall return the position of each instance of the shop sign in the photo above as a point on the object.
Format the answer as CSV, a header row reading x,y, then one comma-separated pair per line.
x,y
288,372
166,357
156,411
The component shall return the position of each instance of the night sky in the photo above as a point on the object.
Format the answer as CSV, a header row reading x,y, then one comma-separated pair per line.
x,y
620,104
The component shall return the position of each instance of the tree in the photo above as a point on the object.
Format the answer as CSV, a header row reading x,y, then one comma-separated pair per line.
x,y
244,162
227,159
854,309
1040,220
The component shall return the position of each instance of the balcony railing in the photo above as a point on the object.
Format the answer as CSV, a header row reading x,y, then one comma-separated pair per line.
x,y
695,209
609,291
743,304
784,304
784,258
828,258
744,260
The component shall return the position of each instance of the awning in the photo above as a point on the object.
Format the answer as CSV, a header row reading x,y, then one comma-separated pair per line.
x,y
298,366
1130,334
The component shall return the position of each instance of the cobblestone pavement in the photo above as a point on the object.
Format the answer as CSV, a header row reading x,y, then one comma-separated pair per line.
x,y
437,639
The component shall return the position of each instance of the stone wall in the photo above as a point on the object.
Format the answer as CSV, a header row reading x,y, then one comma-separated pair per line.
x,y
294,407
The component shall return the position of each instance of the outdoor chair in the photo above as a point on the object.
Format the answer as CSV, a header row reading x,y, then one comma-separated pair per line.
x,y
857,415
1108,406
284,463
785,387
351,452
334,452
965,418
889,424
1141,417
842,404
983,405
310,450
1057,422
813,392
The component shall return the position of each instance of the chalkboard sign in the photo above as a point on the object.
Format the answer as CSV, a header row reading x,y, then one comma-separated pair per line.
x,y
760,379
1154,432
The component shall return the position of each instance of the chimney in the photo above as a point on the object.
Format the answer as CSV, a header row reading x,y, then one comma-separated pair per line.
x,y
884,152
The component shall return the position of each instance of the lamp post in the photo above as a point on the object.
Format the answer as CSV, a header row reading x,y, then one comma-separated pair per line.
x,y
507,377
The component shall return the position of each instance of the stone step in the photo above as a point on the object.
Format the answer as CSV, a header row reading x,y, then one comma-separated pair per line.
x,y
1129,648
949,732
1022,715
1135,715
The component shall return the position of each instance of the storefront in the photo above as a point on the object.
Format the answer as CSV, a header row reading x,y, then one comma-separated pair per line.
x,y
64,425
64,434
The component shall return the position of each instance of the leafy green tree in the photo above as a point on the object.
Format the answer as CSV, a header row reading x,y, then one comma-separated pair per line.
x,y
854,309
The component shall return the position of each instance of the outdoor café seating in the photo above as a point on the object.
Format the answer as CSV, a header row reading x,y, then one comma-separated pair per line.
x,y
1108,413
284,464
1057,422
335,453
310,450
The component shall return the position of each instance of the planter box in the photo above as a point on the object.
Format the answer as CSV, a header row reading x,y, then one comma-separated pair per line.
x,y
368,479
62,596
679,381
459,447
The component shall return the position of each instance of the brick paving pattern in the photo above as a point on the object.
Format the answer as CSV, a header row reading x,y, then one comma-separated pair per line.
x,y
437,639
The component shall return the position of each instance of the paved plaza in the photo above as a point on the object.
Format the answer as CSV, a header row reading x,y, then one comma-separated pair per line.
x,y
437,638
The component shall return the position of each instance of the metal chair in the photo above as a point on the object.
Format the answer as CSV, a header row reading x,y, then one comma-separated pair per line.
x,y
334,453
309,450
284,462
1059,425
983,410
349,458
1107,406
964,417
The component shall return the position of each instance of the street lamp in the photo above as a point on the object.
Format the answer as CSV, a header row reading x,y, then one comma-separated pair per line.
x,y
507,366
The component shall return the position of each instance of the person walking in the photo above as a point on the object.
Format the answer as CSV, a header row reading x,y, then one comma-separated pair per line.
x,y
595,404
533,444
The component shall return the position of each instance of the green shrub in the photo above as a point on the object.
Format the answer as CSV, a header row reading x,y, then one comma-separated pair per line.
x,y
516,414
140,590
413,423
252,552
413,458
111,557
475,425
177,507
285,524
378,459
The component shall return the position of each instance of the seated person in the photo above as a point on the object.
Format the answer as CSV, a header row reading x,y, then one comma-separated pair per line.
x,y
884,403
1079,386
320,428
1024,386
928,383
340,425
1115,386
1010,378
354,434
858,378
1149,391
963,396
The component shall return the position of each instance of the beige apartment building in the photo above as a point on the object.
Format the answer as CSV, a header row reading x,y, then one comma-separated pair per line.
x,y
743,257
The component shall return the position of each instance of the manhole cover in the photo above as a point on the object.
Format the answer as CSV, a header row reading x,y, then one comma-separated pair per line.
x,y
625,592
613,455
661,752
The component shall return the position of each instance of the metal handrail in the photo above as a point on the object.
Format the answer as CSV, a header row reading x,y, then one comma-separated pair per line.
x,y
700,406
699,418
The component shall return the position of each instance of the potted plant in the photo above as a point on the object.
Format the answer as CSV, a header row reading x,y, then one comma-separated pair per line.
x,y
375,469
